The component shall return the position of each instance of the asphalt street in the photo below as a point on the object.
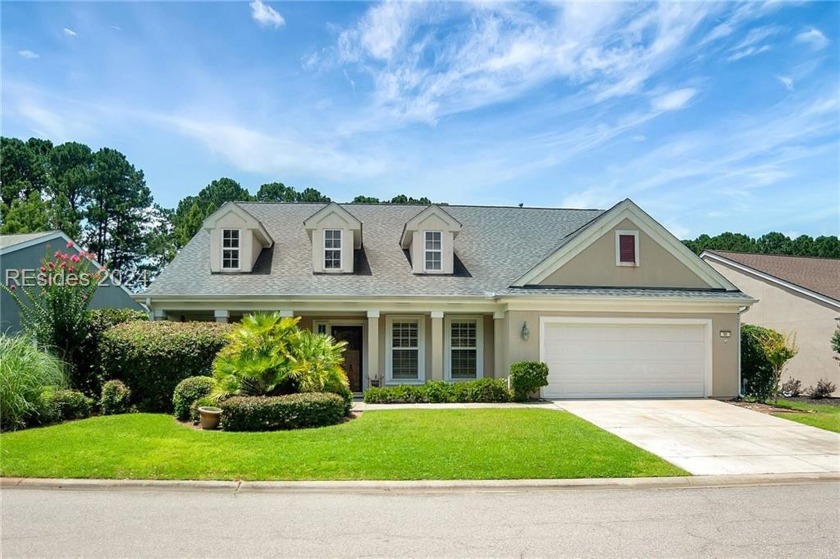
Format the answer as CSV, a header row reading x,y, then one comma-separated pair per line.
x,y
797,520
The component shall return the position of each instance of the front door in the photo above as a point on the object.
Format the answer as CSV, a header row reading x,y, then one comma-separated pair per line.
x,y
352,353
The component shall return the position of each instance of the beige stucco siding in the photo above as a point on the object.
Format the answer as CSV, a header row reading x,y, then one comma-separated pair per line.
x,y
725,359
786,311
595,265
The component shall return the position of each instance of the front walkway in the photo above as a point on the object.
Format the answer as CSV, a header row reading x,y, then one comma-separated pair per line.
x,y
707,437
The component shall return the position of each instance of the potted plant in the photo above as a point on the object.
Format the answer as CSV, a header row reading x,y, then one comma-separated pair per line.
x,y
209,416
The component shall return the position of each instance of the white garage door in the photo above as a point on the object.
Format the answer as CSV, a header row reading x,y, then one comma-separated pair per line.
x,y
627,359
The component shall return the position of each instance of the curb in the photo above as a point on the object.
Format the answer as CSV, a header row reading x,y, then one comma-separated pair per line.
x,y
430,486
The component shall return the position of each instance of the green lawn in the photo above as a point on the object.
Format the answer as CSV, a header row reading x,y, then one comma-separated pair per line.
x,y
383,445
824,416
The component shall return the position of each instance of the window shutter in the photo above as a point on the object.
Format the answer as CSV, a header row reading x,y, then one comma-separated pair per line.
x,y
627,248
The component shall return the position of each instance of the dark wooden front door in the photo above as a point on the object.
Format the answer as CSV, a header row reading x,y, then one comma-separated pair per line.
x,y
352,353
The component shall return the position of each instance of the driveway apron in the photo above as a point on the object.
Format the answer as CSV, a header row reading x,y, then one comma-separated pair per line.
x,y
707,437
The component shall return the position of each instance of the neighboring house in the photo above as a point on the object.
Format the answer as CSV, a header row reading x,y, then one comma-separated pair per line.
x,y
19,253
613,302
799,296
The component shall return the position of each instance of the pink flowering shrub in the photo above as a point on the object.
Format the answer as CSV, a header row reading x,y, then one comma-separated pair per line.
x,y
54,302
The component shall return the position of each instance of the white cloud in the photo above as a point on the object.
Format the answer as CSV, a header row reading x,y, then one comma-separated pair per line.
x,y
813,37
747,52
265,15
28,54
69,32
751,44
786,81
674,100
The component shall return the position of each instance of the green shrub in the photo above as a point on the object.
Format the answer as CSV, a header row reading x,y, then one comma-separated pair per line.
x,y
764,353
115,399
527,377
440,392
153,357
485,390
87,375
189,391
791,388
292,411
69,404
26,374
823,389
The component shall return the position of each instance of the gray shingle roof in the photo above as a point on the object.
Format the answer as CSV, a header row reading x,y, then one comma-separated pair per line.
x,y
630,292
496,246
7,241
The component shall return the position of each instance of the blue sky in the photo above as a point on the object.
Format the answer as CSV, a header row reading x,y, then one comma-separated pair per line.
x,y
711,116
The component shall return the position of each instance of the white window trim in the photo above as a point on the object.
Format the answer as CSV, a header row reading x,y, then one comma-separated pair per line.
x,y
635,235
427,251
223,249
421,349
340,252
479,346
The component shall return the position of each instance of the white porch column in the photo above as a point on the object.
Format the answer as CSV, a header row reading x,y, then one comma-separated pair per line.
x,y
159,314
436,368
373,371
287,313
222,315
498,345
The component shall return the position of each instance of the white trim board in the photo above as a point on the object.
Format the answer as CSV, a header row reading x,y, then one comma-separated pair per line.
x,y
609,220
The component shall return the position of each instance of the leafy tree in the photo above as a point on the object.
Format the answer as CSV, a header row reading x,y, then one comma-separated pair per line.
x,y
192,210
119,200
365,200
71,173
826,247
276,192
764,354
25,216
403,199
774,243
770,243
803,245
311,195
835,342
22,171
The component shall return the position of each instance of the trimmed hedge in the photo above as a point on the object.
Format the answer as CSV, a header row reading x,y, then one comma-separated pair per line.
x,y
271,413
87,376
485,390
69,404
189,391
527,377
115,399
153,357
756,369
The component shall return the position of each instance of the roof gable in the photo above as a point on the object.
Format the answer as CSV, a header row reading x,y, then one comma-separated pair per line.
x,y
248,221
816,277
580,240
431,218
330,213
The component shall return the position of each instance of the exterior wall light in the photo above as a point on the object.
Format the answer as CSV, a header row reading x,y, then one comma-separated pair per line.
x,y
525,333
725,335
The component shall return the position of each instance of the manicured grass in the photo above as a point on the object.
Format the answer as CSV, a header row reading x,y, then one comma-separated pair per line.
x,y
824,416
383,445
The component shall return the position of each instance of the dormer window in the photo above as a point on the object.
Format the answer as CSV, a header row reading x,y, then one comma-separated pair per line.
x,y
332,249
434,251
626,248
230,249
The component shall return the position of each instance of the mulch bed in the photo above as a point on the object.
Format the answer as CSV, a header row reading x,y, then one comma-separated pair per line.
x,y
770,408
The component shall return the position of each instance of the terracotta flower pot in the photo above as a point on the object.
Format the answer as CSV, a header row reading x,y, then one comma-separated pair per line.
x,y
210,417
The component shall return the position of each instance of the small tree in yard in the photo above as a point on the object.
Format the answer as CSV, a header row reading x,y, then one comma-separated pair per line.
x,y
835,343
54,304
764,354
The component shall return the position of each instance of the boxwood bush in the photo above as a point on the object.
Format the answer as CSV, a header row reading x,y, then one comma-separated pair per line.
x,y
485,390
153,357
115,399
189,391
271,413
69,404
527,377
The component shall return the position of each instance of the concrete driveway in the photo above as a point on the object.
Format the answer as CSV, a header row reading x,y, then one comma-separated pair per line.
x,y
707,437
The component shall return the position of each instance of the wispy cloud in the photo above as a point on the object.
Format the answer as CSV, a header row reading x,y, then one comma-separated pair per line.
x,y
751,44
786,81
69,32
813,37
265,15
674,100
28,54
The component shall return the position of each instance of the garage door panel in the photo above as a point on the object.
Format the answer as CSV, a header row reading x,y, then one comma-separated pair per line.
x,y
590,360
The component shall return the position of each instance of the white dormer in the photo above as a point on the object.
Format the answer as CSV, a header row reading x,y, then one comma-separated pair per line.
x,y
430,236
236,239
335,233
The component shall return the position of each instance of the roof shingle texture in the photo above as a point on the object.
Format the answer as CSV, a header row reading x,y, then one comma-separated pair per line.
x,y
496,246
820,275
12,240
